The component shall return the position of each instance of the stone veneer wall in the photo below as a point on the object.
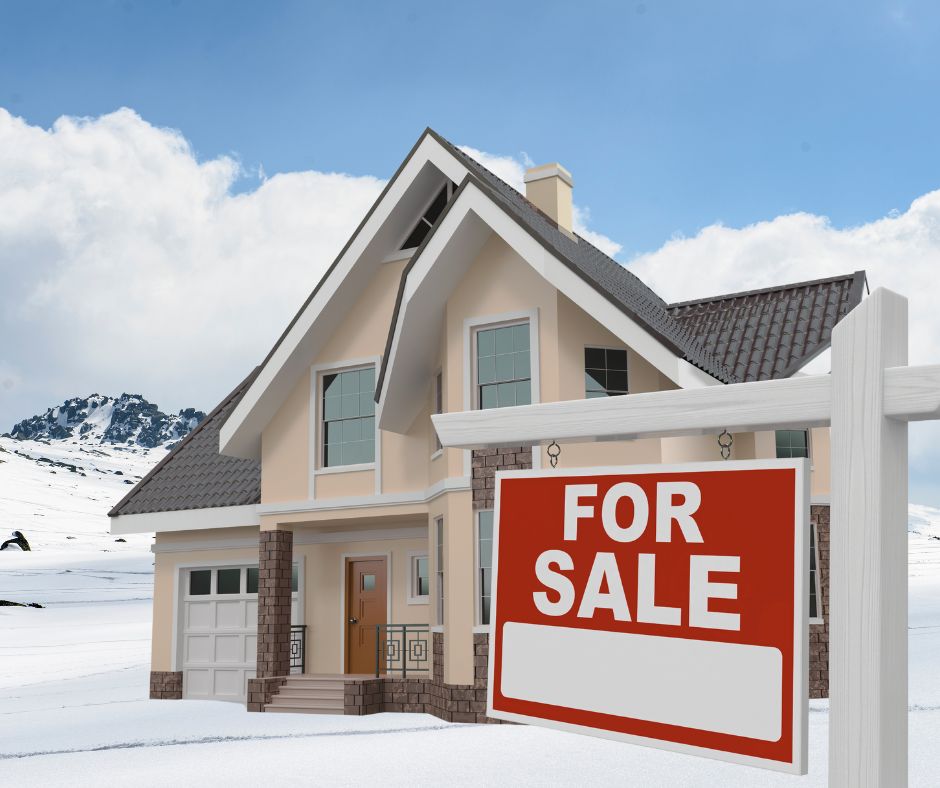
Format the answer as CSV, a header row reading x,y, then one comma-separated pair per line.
x,y
485,463
819,633
426,695
275,554
260,691
166,685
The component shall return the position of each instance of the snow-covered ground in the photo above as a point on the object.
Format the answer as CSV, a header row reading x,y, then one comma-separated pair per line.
x,y
73,683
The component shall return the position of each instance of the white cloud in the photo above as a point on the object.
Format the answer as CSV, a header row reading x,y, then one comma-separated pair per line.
x,y
900,251
512,171
127,263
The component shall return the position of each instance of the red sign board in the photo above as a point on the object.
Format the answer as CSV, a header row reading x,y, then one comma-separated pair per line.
x,y
661,605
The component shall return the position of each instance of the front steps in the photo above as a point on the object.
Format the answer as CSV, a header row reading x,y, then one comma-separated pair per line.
x,y
309,695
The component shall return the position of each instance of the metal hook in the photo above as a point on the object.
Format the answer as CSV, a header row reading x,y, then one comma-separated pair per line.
x,y
725,444
553,455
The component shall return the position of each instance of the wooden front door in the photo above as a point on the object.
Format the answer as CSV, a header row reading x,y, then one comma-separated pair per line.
x,y
366,606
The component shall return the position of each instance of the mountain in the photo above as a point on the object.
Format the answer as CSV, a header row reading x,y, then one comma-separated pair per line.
x,y
128,420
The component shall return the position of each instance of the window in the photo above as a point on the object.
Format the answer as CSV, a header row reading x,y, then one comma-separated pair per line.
x,y
199,582
426,222
485,558
504,376
439,527
792,443
605,372
252,580
419,581
438,404
349,417
815,600
228,581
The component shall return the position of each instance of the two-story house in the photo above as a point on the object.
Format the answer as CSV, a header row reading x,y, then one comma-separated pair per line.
x,y
317,549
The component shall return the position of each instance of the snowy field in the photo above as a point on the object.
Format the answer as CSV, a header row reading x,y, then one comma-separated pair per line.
x,y
73,686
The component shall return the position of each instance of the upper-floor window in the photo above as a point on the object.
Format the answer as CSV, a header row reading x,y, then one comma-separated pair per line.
x,y
605,372
504,375
438,404
349,417
426,222
792,443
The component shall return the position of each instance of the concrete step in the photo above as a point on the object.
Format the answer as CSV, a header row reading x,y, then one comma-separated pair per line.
x,y
312,682
309,703
314,693
271,708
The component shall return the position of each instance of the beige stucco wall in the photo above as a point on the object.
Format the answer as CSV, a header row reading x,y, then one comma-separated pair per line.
x,y
285,465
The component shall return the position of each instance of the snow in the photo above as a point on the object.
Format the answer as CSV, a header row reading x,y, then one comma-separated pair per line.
x,y
74,675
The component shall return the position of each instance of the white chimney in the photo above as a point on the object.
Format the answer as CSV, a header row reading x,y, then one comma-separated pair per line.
x,y
548,187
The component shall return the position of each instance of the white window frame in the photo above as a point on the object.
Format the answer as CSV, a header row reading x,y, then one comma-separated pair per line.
x,y
477,582
315,439
814,577
414,598
599,346
440,578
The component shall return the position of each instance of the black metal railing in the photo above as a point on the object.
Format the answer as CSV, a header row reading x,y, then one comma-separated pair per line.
x,y
402,648
298,643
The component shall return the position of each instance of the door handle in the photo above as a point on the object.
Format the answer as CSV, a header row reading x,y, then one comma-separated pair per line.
x,y
354,621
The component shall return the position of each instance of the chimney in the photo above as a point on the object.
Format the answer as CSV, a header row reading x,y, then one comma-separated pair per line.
x,y
548,187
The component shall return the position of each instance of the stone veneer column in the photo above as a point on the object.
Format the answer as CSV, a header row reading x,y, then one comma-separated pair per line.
x,y
275,556
485,463
819,633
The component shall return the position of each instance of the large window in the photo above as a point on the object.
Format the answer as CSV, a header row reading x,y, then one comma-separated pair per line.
x,y
231,580
485,558
792,443
605,372
419,581
504,375
349,417
439,529
426,222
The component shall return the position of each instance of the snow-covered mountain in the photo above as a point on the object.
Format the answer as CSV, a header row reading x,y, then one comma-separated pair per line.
x,y
126,420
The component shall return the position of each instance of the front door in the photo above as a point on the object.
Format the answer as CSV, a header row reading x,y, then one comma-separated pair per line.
x,y
366,607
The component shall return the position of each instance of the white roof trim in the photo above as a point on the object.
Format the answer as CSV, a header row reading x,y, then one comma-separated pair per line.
x,y
186,520
241,433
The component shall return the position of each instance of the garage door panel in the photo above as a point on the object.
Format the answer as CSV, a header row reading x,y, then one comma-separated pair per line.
x,y
230,648
251,612
230,615
198,682
198,648
199,615
229,684
251,648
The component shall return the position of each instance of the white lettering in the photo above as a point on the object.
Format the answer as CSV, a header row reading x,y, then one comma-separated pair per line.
x,y
555,581
701,589
647,611
667,511
641,512
574,511
604,568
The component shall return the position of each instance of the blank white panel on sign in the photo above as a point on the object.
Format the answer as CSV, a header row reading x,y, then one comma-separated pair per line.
x,y
722,687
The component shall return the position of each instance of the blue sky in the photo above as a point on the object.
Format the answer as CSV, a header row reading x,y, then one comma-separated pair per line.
x,y
671,115
722,146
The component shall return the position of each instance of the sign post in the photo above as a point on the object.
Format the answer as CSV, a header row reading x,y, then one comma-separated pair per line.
x,y
868,399
663,605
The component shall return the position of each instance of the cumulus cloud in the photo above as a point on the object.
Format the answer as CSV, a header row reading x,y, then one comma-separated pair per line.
x,y
900,251
512,170
127,263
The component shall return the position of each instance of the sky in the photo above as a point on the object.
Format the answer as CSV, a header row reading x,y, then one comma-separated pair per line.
x,y
168,167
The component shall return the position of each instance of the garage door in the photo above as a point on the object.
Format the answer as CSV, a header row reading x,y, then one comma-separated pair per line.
x,y
219,630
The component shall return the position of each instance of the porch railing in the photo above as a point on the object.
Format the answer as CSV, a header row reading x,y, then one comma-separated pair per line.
x,y
401,649
298,643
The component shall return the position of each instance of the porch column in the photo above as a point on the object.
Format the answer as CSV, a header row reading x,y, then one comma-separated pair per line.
x,y
275,555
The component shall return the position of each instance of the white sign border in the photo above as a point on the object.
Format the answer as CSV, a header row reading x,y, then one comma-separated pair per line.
x,y
798,763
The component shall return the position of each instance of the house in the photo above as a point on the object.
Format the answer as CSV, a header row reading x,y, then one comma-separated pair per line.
x,y
316,548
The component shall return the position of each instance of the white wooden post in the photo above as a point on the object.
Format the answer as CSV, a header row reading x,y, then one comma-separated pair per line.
x,y
868,552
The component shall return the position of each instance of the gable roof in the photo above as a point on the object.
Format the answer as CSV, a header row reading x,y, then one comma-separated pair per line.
x,y
194,475
773,332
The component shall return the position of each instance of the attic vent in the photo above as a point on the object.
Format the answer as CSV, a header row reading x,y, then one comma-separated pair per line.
x,y
426,222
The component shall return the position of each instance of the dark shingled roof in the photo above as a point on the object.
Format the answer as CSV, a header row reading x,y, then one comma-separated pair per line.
x,y
194,475
757,335
771,333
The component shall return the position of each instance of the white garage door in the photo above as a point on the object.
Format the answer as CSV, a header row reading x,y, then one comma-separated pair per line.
x,y
219,630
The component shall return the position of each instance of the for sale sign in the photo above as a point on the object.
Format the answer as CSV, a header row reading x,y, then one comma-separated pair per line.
x,y
661,605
